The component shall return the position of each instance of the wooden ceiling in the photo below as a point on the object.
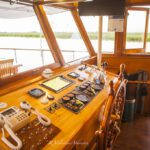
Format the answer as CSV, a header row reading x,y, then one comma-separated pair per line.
x,y
137,2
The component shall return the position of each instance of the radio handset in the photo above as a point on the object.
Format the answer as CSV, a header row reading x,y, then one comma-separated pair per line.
x,y
44,120
4,126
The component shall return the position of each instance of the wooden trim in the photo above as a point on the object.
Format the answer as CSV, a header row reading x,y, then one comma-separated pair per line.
x,y
135,50
91,61
125,30
131,51
30,79
137,2
137,8
49,35
118,43
100,34
83,32
146,30
100,31
33,72
146,24
134,56
139,82
37,71
63,6
42,2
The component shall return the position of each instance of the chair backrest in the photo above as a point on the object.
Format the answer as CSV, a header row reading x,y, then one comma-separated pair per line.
x,y
5,67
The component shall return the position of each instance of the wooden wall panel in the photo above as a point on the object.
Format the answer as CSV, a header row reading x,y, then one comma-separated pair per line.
x,y
133,64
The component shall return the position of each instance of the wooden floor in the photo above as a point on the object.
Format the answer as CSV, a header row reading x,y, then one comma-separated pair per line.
x,y
135,135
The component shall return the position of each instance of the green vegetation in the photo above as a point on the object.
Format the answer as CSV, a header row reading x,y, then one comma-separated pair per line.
x,y
68,35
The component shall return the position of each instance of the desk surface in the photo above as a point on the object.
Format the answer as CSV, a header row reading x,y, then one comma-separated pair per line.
x,y
72,126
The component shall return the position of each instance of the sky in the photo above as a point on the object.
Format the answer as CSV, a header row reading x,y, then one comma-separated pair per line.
x,y
58,24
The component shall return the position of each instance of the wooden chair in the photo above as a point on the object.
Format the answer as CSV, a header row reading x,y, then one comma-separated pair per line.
x,y
7,68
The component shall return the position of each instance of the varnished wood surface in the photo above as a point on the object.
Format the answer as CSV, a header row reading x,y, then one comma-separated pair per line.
x,y
77,129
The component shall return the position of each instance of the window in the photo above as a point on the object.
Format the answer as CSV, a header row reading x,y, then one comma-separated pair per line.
x,y
68,36
91,25
148,37
108,38
23,40
135,32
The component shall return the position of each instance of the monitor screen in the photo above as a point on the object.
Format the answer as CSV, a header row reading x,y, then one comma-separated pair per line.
x,y
102,8
58,83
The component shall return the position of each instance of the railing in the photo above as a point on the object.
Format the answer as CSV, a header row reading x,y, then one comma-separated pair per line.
x,y
46,50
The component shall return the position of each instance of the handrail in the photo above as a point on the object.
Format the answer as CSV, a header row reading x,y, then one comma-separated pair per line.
x,y
76,60
47,50
139,82
28,49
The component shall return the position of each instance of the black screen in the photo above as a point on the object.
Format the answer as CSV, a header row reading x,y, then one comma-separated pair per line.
x,y
8,112
102,8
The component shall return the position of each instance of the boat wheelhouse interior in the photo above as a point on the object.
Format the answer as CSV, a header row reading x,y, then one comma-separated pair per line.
x,y
74,74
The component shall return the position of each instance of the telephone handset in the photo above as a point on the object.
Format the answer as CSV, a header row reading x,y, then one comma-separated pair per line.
x,y
42,118
4,126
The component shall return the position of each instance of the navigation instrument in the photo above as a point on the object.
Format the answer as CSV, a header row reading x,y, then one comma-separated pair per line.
x,y
58,83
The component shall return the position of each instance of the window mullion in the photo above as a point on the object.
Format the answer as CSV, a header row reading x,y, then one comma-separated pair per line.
x,y
146,30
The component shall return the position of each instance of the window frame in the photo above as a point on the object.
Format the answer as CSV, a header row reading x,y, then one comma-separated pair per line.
x,y
106,52
135,50
81,30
